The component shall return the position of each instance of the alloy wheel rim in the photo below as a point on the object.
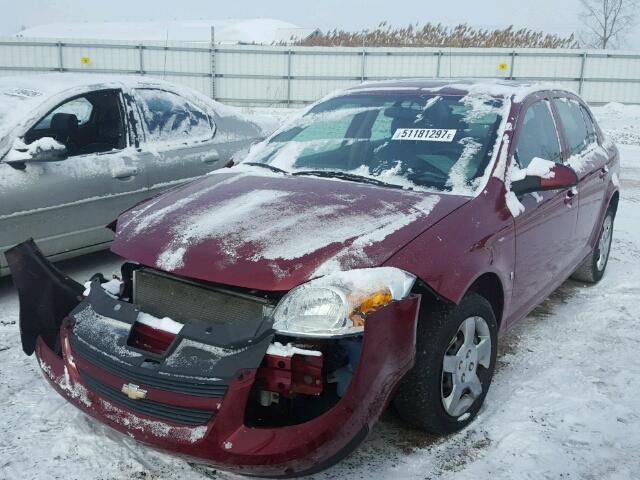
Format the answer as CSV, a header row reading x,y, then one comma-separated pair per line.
x,y
604,243
469,349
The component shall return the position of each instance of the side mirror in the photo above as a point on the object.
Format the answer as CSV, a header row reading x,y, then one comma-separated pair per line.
x,y
542,175
45,149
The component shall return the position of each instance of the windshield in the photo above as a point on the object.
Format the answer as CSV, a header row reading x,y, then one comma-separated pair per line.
x,y
420,141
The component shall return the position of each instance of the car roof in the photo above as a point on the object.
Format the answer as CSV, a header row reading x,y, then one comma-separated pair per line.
x,y
48,84
451,86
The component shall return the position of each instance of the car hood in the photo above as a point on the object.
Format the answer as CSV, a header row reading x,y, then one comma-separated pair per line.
x,y
253,229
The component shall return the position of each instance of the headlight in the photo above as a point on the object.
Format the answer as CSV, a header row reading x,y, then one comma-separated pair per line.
x,y
338,304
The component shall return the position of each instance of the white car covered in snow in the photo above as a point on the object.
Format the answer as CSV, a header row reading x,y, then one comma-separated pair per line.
x,y
76,150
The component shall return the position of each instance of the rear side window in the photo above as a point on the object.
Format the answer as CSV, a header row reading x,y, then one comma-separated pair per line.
x,y
591,129
538,136
574,124
170,118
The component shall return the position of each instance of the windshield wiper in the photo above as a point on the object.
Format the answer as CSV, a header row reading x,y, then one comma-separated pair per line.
x,y
352,177
266,165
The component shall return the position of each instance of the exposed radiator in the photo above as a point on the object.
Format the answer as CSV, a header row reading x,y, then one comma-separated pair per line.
x,y
162,295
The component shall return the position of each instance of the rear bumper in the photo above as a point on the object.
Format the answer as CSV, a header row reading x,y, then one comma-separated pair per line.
x,y
225,441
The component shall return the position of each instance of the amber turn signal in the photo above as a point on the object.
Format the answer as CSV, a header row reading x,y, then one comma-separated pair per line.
x,y
370,304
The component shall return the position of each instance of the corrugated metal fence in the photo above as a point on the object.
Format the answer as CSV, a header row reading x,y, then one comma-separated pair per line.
x,y
281,76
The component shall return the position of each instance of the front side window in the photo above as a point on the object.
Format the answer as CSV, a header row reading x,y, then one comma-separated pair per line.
x,y
80,107
170,118
92,123
574,125
422,141
538,136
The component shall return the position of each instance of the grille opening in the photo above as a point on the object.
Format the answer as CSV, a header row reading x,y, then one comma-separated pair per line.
x,y
164,411
147,376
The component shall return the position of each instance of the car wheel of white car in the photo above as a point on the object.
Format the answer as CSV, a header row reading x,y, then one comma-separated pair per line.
x,y
455,358
592,268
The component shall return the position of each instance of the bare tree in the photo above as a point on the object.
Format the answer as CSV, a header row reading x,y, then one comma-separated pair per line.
x,y
607,21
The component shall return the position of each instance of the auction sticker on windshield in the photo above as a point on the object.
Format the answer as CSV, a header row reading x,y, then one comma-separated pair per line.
x,y
425,134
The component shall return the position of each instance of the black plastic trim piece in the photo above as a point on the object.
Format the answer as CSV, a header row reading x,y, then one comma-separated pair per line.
x,y
46,295
164,411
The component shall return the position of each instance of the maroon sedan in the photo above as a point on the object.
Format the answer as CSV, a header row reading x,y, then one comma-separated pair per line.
x,y
370,251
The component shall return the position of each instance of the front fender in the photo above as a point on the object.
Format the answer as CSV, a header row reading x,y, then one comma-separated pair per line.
x,y
477,238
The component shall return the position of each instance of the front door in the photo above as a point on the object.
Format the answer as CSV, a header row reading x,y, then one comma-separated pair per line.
x,y
65,205
546,229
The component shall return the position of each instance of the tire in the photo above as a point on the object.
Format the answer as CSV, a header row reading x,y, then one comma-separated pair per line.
x,y
592,268
422,396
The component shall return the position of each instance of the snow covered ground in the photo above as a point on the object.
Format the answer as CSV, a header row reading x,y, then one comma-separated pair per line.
x,y
565,402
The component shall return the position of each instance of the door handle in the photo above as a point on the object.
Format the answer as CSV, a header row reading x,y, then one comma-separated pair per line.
x,y
125,173
211,157
603,172
570,196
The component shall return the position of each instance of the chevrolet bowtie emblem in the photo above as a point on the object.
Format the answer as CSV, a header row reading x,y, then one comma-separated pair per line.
x,y
134,392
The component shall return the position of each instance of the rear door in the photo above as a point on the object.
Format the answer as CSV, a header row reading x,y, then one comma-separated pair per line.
x,y
589,161
178,138
546,229
65,205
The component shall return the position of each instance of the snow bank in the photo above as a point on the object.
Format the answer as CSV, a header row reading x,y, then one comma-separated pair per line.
x,y
258,30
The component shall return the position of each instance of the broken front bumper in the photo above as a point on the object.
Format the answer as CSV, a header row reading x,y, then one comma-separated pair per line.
x,y
206,427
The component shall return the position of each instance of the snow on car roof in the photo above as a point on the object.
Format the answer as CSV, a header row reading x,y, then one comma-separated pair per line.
x,y
494,87
47,84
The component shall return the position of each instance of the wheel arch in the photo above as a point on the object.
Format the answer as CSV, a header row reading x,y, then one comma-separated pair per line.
x,y
489,286
613,202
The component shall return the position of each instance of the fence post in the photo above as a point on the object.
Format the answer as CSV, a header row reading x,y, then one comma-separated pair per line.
x,y
439,63
364,65
60,58
513,62
212,61
289,53
141,59
582,65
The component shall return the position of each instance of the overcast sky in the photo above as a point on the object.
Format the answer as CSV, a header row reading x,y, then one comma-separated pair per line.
x,y
555,16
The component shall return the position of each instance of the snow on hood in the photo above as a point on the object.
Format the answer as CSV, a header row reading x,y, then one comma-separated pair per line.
x,y
273,232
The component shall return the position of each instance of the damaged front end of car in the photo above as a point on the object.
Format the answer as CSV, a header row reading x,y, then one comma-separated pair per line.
x,y
259,383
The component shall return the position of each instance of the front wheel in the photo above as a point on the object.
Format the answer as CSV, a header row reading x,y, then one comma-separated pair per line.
x,y
592,268
455,357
